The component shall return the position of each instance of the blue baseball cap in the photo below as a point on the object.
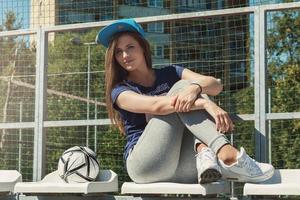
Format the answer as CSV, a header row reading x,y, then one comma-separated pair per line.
x,y
105,34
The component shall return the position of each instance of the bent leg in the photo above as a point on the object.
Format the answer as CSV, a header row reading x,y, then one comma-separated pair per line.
x,y
186,171
203,127
156,155
200,123
195,167
234,165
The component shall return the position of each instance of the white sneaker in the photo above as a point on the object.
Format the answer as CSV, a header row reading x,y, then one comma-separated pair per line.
x,y
207,166
246,169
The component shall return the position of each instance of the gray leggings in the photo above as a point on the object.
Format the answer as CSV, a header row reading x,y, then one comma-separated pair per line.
x,y
165,150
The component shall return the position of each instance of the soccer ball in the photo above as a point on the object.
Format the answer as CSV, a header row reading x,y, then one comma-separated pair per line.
x,y
78,165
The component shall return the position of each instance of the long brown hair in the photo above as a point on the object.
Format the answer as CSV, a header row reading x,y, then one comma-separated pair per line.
x,y
115,73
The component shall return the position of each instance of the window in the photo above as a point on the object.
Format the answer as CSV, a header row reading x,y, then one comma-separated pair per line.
x,y
133,2
155,3
193,4
157,27
159,51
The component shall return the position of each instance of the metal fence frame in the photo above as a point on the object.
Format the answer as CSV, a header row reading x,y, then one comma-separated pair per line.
x,y
260,116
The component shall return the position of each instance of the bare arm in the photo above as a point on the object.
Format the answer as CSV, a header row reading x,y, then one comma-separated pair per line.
x,y
158,105
209,84
187,97
163,105
137,103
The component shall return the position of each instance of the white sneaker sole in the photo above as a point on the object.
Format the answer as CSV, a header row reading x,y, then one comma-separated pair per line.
x,y
262,178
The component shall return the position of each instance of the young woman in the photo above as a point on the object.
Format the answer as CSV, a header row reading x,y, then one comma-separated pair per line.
x,y
167,117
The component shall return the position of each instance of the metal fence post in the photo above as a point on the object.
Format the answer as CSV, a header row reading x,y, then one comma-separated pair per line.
x,y
260,84
20,138
40,106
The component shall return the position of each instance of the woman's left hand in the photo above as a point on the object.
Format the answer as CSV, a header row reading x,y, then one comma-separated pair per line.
x,y
186,99
223,122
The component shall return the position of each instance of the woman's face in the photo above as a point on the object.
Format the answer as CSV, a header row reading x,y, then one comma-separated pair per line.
x,y
129,53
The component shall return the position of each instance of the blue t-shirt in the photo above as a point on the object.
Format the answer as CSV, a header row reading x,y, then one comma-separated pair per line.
x,y
135,123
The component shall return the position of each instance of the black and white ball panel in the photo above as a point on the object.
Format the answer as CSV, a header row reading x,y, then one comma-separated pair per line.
x,y
78,165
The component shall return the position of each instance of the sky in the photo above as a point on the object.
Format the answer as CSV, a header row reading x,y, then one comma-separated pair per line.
x,y
20,7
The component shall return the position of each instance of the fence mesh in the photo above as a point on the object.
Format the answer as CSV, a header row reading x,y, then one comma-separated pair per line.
x,y
283,85
17,103
17,151
75,77
33,13
283,62
285,139
17,79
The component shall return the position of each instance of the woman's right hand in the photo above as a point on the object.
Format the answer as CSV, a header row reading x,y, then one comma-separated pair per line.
x,y
223,122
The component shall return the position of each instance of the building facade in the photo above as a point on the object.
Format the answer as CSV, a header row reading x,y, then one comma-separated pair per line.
x,y
216,46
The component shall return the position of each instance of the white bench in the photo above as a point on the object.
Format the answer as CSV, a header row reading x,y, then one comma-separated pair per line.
x,y
284,182
8,179
175,188
53,184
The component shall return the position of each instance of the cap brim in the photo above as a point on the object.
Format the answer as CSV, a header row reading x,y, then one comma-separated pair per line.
x,y
104,36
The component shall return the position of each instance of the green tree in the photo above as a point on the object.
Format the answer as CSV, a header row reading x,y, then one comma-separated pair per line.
x,y
284,79
17,62
283,56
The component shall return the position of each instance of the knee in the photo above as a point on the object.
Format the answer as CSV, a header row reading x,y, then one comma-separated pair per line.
x,y
171,118
179,85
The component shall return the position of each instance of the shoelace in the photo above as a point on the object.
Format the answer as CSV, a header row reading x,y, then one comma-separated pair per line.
x,y
205,153
251,166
